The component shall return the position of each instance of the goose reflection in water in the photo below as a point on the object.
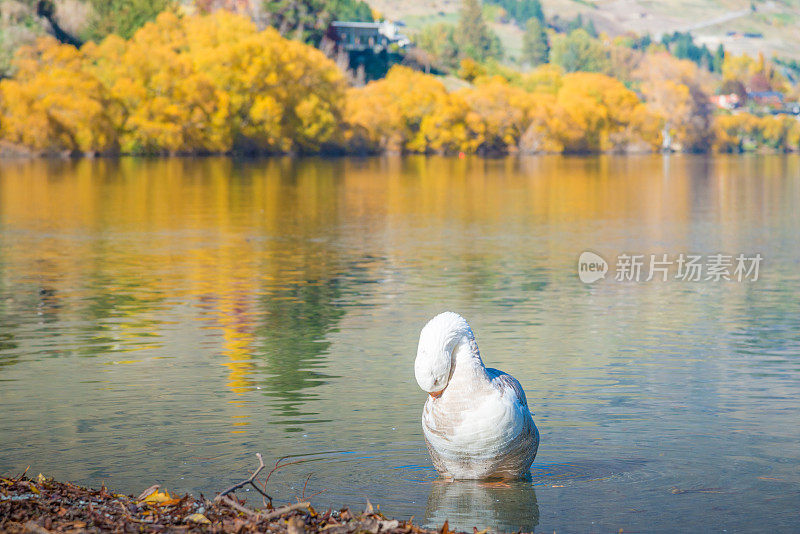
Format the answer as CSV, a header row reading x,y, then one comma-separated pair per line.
x,y
507,506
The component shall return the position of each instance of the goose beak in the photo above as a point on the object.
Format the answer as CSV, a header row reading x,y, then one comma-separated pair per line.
x,y
436,394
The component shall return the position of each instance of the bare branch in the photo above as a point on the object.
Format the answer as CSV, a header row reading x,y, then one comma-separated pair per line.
x,y
279,465
22,475
286,509
250,481
233,504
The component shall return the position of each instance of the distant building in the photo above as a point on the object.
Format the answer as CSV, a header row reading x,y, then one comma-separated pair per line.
x,y
773,99
358,36
745,35
366,50
730,101
791,108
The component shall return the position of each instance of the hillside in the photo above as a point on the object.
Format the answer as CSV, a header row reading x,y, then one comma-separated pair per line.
x,y
709,22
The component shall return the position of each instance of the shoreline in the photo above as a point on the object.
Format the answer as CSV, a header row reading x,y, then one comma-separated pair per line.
x,y
14,152
42,505
20,156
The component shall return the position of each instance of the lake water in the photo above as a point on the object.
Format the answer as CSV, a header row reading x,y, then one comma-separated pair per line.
x,y
161,321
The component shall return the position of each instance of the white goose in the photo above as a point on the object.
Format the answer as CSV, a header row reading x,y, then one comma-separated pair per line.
x,y
476,420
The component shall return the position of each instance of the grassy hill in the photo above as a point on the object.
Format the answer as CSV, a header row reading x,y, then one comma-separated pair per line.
x,y
710,21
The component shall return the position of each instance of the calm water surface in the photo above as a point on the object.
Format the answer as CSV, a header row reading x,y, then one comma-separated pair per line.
x,y
163,320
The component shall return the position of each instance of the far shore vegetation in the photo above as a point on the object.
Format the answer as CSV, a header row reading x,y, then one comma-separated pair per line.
x,y
157,78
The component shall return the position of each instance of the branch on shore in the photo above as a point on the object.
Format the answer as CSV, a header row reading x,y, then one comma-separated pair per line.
x,y
250,481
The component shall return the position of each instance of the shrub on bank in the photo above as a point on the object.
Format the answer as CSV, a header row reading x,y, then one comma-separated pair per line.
x,y
215,84
210,83
578,112
742,132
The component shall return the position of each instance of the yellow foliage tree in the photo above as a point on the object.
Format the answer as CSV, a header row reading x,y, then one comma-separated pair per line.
x,y
744,131
757,74
543,79
52,104
167,105
594,112
500,114
210,83
214,83
407,111
674,90
578,112
282,94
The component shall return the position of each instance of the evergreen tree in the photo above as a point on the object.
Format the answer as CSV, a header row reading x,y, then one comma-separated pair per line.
x,y
531,9
535,48
521,10
307,20
644,42
123,17
579,52
476,40
575,24
350,10
590,29
719,58
440,41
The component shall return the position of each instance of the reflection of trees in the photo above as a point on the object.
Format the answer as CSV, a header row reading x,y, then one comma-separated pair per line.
x,y
291,337
499,506
108,297
8,323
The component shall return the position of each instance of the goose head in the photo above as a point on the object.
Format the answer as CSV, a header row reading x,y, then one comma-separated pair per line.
x,y
437,342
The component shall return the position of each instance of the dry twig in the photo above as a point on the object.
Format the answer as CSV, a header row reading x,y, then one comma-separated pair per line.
x,y
286,509
250,481
233,504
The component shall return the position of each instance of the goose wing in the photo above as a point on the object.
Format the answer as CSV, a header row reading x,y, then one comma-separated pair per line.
x,y
507,384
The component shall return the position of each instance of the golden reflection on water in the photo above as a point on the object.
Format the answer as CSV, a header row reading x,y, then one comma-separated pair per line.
x,y
221,233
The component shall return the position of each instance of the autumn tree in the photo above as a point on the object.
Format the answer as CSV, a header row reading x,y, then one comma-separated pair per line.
x,y
417,114
757,74
732,86
210,83
57,108
281,94
623,62
168,105
595,112
579,112
673,89
742,132
546,78
499,114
